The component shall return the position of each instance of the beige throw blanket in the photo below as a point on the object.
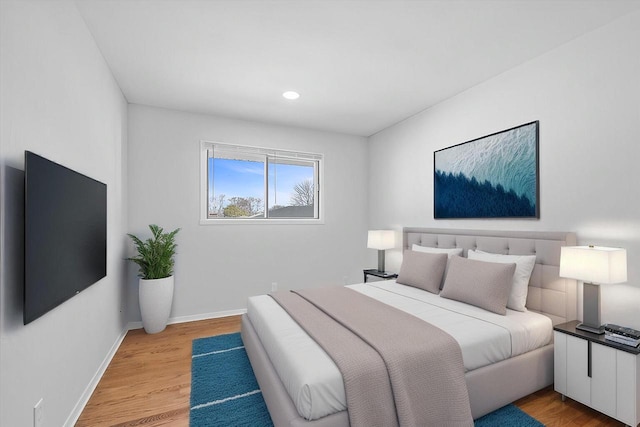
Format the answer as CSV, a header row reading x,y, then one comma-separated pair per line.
x,y
397,369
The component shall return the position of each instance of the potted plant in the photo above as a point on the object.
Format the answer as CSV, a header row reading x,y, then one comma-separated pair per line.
x,y
155,259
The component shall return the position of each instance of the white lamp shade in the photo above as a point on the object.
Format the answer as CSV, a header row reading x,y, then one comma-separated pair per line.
x,y
381,239
594,264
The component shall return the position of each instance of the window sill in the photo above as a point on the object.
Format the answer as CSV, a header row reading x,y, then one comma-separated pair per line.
x,y
265,221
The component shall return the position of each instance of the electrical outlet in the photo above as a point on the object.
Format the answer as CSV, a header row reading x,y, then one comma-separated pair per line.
x,y
345,280
274,286
38,414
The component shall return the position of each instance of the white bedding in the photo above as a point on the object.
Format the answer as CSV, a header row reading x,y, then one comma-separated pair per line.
x,y
313,380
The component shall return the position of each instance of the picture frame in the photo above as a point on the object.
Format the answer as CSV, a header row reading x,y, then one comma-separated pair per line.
x,y
494,176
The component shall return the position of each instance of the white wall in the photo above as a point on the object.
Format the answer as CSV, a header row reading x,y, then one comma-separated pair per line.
x,y
59,100
586,95
219,266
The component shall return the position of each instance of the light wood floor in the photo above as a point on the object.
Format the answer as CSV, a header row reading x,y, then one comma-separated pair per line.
x,y
149,380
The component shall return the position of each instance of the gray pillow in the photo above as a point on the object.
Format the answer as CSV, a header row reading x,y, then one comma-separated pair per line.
x,y
422,270
483,284
520,281
430,250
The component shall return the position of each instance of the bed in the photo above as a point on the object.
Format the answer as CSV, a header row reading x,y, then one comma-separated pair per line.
x,y
491,383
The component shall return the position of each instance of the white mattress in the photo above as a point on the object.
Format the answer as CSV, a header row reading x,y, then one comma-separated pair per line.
x,y
313,380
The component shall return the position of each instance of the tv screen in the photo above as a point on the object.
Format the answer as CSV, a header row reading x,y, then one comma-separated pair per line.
x,y
65,234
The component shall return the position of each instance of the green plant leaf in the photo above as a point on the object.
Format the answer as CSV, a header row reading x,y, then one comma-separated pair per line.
x,y
155,255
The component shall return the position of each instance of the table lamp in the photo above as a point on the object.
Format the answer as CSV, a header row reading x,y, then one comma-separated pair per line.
x,y
381,240
594,265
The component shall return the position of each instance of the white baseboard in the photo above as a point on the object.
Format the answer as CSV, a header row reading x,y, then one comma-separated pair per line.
x,y
88,391
194,318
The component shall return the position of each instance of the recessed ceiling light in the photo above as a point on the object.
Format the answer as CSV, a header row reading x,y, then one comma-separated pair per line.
x,y
291,95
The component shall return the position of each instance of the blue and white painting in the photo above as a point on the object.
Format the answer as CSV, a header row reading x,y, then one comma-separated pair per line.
x,y
495,176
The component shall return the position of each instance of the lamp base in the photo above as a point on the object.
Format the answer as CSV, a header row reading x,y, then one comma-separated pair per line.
x,y
591,309
598,330
380,260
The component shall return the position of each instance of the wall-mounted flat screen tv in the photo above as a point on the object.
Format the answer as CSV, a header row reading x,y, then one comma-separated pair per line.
x,y
65,234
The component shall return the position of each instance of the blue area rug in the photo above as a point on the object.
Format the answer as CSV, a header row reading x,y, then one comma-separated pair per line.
x,y
507,416
224,390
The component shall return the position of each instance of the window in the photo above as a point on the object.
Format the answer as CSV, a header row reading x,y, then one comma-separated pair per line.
x,y
250,183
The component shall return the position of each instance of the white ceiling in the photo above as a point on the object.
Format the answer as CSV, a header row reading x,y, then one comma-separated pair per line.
x,y
360,66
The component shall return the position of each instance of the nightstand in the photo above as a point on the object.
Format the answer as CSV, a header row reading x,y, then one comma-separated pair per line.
x,y
386,275
598,373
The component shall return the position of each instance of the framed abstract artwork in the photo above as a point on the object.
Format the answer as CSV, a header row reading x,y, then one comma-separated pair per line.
x,y
495,176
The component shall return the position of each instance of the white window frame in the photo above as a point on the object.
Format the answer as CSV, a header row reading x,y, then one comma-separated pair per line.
x,y
248,150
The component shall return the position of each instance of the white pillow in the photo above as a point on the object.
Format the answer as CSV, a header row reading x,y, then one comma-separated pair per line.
x,y
427,249
520,284
450,253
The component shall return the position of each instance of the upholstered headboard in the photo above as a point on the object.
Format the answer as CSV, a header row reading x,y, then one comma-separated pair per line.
x,y
549,294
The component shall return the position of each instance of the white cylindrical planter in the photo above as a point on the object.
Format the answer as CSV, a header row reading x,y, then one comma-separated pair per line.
x,y
156,296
